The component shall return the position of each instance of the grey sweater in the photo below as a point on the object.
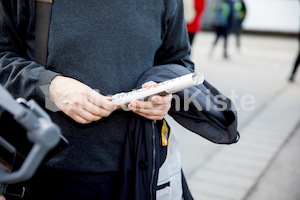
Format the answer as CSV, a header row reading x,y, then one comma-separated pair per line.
x,y
106,44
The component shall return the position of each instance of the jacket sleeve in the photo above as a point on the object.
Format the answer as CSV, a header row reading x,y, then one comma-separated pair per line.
x,y
175,47
19,74
201,109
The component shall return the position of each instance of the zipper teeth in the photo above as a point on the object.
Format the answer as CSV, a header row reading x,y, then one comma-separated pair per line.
x,y
153,166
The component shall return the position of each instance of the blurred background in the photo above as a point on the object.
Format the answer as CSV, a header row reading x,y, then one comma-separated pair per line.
x,y
265,163
281,16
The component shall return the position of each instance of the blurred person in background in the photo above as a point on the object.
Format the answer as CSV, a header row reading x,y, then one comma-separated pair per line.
x,y
239,14
193,10
222,22
296,64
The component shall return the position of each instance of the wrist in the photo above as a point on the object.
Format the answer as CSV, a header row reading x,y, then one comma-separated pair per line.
x,y
54,82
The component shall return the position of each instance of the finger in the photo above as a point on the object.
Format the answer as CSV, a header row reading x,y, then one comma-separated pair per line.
x,y
161,99
80,120
151,117
142,104
101,112
149,105
96,110
150,112
87,115
109,98
149,84
101,101
92,108
143,108
78,108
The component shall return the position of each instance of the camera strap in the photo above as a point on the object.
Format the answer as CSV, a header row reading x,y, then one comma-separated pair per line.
x,y
43,16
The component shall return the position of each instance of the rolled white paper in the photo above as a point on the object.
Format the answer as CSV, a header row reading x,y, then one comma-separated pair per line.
x,y
163,88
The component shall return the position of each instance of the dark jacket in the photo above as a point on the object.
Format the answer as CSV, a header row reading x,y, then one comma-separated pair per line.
x,y
144,154
97,43
211,114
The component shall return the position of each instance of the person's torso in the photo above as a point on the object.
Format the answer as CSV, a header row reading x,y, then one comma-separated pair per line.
x,y
107,45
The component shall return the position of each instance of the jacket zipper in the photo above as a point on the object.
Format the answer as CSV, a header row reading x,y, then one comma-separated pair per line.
x,y
153,165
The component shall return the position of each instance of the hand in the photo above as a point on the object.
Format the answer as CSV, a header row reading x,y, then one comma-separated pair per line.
x,y
79,101
2,197
155,109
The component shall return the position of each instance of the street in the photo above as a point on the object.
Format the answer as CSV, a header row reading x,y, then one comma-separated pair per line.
x,y
256,79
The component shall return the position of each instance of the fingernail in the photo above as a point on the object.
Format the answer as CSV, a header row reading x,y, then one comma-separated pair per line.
x,y
132,105
155,99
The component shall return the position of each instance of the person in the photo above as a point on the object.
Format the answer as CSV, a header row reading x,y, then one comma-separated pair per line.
x,y
194,21
222,22
2,197
103,45
296,63
239,15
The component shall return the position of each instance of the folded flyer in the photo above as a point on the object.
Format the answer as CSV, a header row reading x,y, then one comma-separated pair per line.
x,y
163,88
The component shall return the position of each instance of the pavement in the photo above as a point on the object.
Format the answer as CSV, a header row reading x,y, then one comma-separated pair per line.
x,y
265,163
